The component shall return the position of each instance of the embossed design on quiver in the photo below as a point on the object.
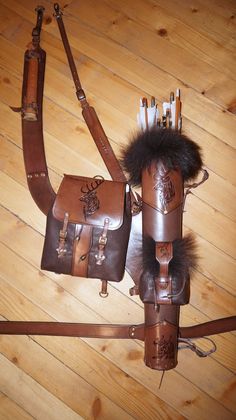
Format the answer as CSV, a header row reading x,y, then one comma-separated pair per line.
x,y
162,193
161,346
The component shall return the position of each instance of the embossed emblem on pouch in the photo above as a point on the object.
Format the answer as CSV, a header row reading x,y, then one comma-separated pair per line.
x,y
89,196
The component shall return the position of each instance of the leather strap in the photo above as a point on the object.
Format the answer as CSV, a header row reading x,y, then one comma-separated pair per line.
x,y
72,329
217,326
32,130
89,112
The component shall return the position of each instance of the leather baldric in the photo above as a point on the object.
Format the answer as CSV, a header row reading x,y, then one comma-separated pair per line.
x,y
161,329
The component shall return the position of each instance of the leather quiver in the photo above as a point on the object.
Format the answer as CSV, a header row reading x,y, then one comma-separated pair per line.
x,y
163,194
88,229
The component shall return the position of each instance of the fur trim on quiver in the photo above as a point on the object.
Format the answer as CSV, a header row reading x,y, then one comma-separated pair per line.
x,y
175,150
184,257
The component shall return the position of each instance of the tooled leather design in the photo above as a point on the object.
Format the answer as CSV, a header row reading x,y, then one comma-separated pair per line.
x,y
165,348
111,196
161,346
165,187
162,187
90,197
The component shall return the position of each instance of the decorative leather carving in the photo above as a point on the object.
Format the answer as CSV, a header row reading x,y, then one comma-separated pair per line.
x,y
162,188
161,346
109,202
162,192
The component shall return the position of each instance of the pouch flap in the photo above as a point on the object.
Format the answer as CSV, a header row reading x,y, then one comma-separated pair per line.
x,y
90,201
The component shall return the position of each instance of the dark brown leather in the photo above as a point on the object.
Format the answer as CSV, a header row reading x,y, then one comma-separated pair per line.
x,y
148,290
94,256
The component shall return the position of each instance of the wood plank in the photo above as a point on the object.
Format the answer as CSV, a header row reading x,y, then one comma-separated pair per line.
x,y
174,31
59,380
10,410
221,123
199,16
29,394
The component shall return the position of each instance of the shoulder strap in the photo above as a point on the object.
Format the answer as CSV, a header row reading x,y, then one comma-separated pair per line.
x,y
88,112
32,125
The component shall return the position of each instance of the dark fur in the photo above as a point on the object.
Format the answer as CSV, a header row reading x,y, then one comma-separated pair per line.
x,y
169,146
183,261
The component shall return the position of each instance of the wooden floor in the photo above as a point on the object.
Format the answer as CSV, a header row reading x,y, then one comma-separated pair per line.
x,y
124,50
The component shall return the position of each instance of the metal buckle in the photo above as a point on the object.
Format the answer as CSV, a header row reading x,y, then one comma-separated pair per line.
x,y
100,257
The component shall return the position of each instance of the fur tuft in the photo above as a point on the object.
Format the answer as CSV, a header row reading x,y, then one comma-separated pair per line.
x,y
184,257
169,146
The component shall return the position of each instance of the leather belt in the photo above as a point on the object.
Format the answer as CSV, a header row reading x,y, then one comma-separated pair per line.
x,y
111,330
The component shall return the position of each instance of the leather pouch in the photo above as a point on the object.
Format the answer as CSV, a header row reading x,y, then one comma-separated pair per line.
x,y
88,229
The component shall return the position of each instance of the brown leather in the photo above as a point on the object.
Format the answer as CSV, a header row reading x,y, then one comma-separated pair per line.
x,y
161,346
89,112
163,283
105,199
102,144
30,100
81,248
72,329
162,193
162,188
33,144
164,350
218,326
